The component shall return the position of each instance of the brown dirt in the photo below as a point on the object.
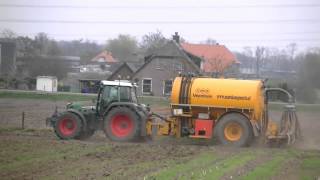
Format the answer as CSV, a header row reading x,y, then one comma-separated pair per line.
x,y
310,126
119,160
86,160
36,111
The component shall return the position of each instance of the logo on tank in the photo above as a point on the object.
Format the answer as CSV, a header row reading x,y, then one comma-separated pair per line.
x,y
231,97
202,93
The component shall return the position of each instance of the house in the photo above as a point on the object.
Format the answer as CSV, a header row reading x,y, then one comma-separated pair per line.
x,y
88,81
165,63
155,76
101,63
216,58
104,57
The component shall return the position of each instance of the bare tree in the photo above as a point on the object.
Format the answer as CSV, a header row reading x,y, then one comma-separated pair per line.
x,y
123,47
260,52
152,41
217,65
8,34
292,48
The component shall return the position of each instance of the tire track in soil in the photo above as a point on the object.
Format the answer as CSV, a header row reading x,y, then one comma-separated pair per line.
x,y
261,158
289,170
122,157
221,152
140,154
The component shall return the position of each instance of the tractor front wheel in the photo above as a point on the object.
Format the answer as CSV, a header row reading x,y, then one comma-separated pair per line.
x,y
122,124
68,126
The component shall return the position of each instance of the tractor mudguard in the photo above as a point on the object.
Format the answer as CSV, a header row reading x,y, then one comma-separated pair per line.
x,y
116,104
78,113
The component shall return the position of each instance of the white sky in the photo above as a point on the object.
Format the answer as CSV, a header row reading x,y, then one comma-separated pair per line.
x,y
234,23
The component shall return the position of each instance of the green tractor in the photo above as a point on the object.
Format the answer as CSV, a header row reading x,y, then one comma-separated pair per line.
x,y
117,112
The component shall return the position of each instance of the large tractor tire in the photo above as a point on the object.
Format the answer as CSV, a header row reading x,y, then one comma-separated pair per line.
x,y
122,124
234,129
68,126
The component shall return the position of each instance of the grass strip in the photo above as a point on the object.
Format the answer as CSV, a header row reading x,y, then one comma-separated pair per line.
x,y
46,96
172,171
225,166
268,169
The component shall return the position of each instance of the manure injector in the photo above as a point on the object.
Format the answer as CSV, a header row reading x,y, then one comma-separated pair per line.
x,y
235,112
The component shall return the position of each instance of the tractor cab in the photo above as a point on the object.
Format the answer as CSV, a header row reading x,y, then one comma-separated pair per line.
x,y
115,92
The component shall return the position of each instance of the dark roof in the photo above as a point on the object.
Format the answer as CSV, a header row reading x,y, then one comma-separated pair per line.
x,y
132,66
173,49
114,66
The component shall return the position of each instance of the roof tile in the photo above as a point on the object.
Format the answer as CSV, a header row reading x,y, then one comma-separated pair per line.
x,y
216,57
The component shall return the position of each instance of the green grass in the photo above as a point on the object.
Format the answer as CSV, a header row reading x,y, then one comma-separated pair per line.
x,y
270,168
46,96
159,101
227,165
171,172
310,167
154,101
205,166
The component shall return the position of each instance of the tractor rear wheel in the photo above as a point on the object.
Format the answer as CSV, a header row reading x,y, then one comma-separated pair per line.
x,y
234,129
122,124
68,126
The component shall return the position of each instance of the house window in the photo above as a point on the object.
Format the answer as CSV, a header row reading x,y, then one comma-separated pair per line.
x,y
167,87
178,66
147,86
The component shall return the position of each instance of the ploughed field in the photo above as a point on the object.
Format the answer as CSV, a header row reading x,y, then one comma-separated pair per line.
x,y
36,153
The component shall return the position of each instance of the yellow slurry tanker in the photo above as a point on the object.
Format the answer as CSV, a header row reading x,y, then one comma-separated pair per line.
x,y
233,111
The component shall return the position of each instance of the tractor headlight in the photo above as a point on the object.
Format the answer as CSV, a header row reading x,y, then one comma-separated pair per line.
x,y
177,112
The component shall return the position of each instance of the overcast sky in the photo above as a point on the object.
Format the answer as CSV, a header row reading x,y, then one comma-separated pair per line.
x,y
234,23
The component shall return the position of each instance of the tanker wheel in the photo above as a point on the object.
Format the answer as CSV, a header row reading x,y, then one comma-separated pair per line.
x,y
68,126
234,129
122,124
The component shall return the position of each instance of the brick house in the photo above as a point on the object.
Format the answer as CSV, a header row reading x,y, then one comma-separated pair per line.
x,y
165,63
155,76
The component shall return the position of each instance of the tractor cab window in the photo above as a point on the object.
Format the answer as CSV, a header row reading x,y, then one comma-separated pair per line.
x,y
110,93
125,95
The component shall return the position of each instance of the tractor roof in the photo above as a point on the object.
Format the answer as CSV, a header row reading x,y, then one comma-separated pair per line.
x,y
117,83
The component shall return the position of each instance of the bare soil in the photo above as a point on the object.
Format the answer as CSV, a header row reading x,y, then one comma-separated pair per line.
x,y
39,154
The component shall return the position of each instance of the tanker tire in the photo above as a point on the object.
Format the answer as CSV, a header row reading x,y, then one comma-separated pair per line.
x,y
110,126
61,129
246,137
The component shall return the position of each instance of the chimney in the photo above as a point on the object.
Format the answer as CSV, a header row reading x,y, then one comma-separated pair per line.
x,y
176,37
